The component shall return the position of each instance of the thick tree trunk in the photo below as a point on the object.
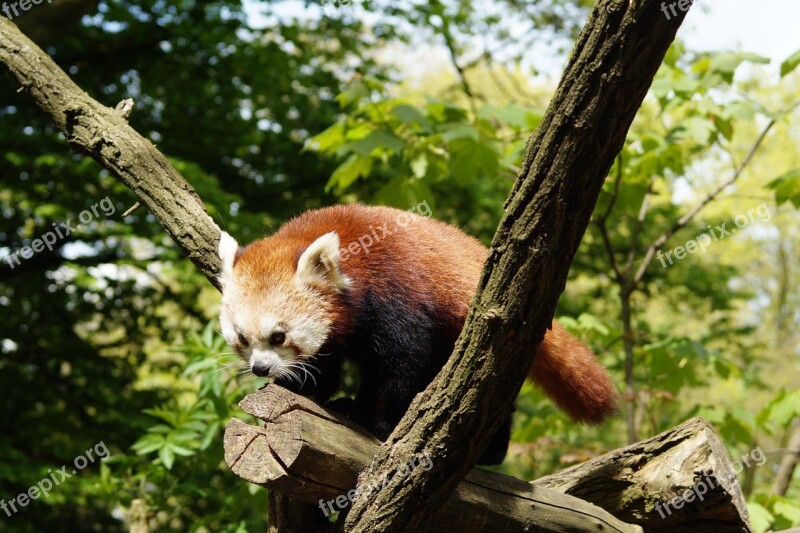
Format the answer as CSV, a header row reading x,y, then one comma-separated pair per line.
x,y
566,162
565,165
680,480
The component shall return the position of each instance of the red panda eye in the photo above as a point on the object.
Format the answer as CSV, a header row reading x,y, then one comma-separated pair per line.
x,y
277,339
242,340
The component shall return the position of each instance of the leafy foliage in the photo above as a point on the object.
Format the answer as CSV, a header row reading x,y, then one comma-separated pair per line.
x,y
109,336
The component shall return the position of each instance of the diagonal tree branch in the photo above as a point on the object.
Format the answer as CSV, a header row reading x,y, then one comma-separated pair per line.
x,y
566,162
689,216
611,69
104,134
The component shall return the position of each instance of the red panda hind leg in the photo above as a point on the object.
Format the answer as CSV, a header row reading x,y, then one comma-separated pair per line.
x,y
568,372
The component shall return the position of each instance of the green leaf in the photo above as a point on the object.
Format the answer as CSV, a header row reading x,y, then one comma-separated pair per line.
x,y
471,159
168,416
590,322
686,87
460,131
699,129
328,141
788,66
160,428
788,510
208,437
787,188
403,193
740,110
198,366
724,127
180,450
183,436
444,112
148,443
208,334
410,115
353,94
782,409
726,63
760,518
376,139
167,456
517,117
348,172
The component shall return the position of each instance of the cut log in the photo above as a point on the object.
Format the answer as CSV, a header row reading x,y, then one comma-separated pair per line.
x,y
311,454
680,480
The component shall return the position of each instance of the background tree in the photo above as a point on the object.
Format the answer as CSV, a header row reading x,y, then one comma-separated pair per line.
x,y
109,324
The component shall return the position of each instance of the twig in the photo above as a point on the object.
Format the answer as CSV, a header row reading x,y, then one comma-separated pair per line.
x,y
688,217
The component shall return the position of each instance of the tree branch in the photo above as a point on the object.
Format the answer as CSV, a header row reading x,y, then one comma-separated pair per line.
x,y
292,453
104,134
566,162
688,217
601,224
783,476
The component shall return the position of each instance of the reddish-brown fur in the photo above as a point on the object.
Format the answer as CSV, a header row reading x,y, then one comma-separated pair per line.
x,y
433,266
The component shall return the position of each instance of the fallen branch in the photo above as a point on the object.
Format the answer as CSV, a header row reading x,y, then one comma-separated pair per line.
x,y
312,454
638,482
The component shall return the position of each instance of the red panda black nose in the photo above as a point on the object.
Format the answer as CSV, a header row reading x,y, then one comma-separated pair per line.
x,y
260,369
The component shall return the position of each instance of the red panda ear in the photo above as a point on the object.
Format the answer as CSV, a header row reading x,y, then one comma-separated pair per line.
x,y
228,249
320,263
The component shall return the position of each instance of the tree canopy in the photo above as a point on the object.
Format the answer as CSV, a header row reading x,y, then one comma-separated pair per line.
x,y
272,108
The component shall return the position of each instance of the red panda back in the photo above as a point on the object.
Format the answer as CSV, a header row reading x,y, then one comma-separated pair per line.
x,y
434,265
396,254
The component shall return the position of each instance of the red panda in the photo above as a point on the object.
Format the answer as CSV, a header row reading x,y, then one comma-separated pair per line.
x,y
390,290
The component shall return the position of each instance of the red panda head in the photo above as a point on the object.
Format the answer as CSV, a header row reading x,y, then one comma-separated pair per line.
x,y
278,300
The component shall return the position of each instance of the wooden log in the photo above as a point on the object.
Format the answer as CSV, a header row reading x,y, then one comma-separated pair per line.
x,y
641,482
309,453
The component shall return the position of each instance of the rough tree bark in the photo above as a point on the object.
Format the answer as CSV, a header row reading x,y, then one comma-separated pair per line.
x,y
565,165
611,69
312,454
636,483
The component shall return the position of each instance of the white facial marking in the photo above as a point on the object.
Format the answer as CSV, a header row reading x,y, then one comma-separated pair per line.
x,y
308,333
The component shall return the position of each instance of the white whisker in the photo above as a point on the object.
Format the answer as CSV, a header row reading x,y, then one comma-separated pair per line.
x,y
306,374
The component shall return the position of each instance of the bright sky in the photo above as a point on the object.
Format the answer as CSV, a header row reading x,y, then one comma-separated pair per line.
x,y
770,29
